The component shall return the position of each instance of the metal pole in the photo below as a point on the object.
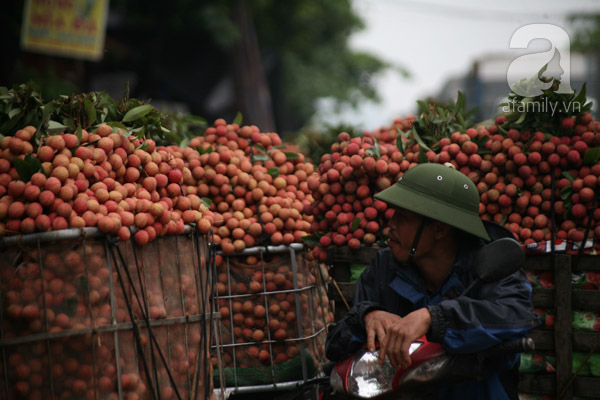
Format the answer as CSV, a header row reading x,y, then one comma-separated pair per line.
x,y
298,313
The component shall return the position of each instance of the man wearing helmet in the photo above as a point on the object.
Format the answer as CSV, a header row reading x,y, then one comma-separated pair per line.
x,y
412,288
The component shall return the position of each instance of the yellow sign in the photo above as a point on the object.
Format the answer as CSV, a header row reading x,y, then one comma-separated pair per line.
x,y
69,28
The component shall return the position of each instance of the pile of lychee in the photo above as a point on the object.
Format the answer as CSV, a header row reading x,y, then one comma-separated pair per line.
x,y
513,172
258,303
103,179
235,180
257,190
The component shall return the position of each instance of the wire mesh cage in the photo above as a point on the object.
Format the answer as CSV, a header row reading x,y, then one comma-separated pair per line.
x,y
84,316
274,313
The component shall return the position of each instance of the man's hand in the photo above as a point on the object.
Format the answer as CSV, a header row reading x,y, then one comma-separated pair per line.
x,y
400,333
376,324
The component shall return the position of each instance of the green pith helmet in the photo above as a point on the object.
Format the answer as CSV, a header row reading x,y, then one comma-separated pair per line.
x,y
440,193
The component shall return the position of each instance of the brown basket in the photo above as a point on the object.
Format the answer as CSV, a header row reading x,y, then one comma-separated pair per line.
x,y
84,316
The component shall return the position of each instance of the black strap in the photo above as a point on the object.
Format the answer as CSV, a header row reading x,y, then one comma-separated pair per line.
x,y
415,243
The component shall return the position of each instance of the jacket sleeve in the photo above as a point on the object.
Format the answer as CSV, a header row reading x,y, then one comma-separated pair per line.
x,y
498,312
346,337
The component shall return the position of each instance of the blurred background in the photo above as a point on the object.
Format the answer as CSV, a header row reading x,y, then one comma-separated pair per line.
x,y
287,66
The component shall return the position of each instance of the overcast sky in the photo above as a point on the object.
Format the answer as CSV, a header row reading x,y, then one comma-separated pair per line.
x,y
436,40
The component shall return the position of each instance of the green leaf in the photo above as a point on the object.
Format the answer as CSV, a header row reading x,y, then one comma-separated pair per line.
x,y
355,224
481,141
281,146
138,112
423,105
376,148
47,109
420,141
27,167
273,171
260,147
206,201
592,156
144,146
55,127
291,156
116,124
422,157
580,98
109,107
399,142
10,124
311,240
78,133
239,118
22,169
90,112
184,143
521,118
70,123
460,102
173,138
13,112
202,150
140,132
259,157
527,100
569,176
565,193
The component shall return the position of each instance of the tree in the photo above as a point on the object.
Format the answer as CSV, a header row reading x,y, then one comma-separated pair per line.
x,y
269,59
587,35
586,39
305,43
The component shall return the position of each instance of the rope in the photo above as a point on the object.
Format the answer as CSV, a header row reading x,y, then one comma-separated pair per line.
x,y
136,328
145,316
341,294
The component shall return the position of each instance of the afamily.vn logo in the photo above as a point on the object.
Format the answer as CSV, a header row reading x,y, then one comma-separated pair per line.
x,y
522,74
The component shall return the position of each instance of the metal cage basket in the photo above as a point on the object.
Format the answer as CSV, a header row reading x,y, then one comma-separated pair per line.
x,y
274,313
86,316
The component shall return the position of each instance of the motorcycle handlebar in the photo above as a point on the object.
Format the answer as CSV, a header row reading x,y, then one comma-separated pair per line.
x,y
514,346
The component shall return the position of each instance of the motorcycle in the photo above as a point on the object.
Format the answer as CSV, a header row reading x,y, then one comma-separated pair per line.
x,y
362,376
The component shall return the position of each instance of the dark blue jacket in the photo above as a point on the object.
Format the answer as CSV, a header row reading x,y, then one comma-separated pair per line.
x,y
491,314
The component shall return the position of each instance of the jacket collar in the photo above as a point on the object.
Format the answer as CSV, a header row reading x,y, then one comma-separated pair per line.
x,y
408,282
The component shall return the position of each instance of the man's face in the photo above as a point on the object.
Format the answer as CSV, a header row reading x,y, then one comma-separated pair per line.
x,y
403,227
